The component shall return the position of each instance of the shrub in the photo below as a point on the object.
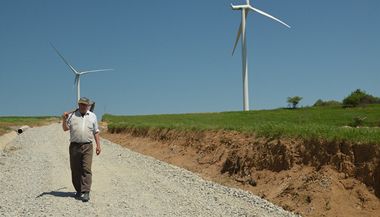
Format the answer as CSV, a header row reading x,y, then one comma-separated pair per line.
x,y
358,121
359,97
320,102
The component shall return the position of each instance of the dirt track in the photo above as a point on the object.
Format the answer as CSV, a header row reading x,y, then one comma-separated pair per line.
x,y
35,181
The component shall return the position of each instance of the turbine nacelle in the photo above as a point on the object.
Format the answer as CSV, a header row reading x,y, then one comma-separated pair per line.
x,y
239,7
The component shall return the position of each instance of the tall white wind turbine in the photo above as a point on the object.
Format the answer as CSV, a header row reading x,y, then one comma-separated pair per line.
x,y
76,72
245,9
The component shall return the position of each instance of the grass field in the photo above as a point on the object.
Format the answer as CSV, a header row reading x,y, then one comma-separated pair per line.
x,y
6,123
322,123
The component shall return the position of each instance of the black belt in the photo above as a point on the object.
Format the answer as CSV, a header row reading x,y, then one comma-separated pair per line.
x,y
80,143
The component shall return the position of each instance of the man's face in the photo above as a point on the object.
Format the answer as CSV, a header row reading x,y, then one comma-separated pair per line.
x,y
83,108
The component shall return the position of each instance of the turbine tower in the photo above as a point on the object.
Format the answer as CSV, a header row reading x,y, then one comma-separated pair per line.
x,y
76,72
245,9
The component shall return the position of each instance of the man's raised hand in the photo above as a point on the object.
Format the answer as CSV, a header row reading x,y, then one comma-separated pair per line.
x,y
65,115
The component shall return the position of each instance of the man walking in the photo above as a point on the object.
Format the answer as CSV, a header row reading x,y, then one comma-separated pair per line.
x,y
83,127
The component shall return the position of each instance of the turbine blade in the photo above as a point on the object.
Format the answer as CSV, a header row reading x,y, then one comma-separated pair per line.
x,y
63,58
98,70
75,81
237,39
238,35
268,15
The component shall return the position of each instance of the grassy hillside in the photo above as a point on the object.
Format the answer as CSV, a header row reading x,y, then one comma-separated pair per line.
x,y
326,123
7,122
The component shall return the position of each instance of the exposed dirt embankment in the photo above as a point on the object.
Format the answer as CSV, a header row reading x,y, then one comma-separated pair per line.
x,y
314,178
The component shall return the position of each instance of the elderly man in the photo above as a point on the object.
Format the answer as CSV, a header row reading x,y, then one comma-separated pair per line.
x,y
83,127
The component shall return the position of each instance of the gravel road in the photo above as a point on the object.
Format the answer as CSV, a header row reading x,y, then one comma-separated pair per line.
x,y
35,181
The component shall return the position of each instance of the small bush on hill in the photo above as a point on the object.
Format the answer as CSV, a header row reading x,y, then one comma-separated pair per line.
x,y
327,103
359,97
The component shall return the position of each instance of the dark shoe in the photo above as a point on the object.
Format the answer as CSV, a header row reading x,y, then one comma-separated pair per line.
x,y
86,196
78,195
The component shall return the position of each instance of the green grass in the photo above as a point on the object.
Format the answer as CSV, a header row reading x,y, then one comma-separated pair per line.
x,y
7,122
321,123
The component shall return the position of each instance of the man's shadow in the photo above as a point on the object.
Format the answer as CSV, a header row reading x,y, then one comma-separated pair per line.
x,y
57,193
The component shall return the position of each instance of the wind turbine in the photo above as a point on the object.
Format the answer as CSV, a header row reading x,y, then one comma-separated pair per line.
x,y
76,72
242,33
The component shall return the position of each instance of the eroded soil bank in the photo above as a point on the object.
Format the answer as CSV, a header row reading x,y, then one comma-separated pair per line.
x,y
313,178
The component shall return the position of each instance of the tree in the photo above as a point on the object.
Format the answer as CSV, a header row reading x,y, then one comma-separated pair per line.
x,y
359,97
294,101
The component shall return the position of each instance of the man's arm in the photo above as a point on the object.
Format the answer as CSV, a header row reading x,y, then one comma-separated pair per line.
x,y
96,135
64,121
97,140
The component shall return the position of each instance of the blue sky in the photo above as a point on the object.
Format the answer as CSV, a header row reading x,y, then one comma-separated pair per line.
x,y
175,56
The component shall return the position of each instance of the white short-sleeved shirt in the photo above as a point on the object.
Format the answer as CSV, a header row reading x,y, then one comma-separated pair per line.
x,y
82,129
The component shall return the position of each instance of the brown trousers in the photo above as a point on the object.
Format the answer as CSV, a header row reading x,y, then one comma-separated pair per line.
x,y
80,164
